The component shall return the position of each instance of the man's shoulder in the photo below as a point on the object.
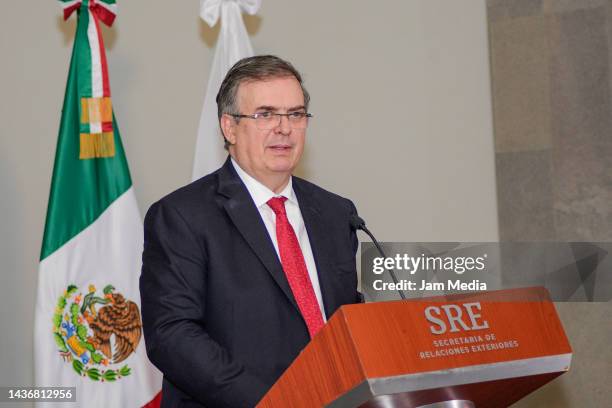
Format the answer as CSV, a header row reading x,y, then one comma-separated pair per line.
x,y
195,196
323,196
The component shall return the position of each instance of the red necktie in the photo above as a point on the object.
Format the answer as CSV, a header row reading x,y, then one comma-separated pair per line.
x,y
294,266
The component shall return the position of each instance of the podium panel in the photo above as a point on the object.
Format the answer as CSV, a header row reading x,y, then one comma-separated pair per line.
x,y
488,348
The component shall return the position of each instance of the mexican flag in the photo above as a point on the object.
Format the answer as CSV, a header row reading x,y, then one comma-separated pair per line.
x,y
88,330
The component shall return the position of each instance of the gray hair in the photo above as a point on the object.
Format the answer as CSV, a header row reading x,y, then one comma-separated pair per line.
x,y
257,68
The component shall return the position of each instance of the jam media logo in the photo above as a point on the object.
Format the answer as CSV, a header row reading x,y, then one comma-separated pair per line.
x,y
96,333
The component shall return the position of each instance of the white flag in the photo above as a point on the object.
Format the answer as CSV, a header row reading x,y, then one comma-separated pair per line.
x,y
233,44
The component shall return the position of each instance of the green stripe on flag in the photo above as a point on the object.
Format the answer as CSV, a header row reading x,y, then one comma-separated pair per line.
x,y
80,189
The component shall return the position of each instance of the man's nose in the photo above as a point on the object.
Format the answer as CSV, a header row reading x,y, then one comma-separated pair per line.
x,y
283,124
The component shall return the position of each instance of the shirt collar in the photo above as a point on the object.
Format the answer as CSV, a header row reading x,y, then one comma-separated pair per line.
x,y
260,193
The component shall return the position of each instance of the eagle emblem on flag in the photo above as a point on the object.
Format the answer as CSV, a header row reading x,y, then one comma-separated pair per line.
x,y
96,332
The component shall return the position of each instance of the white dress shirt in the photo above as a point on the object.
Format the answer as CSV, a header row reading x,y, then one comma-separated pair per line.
x,y
261,195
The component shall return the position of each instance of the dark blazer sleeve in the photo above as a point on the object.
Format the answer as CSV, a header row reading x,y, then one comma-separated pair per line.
x,y
354,240
173,296
355,245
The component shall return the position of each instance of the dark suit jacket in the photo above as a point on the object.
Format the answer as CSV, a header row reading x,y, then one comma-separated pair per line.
x,y
220,320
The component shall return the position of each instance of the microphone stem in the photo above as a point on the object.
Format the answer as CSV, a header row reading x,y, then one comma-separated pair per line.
x,y
391,271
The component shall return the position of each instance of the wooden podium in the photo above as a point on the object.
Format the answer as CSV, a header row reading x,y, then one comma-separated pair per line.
x,y
485,350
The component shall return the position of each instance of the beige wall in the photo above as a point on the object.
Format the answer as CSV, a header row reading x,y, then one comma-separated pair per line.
x,y
400,93
551,71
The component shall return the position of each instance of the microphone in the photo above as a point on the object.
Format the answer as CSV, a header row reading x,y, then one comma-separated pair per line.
x,y
357,223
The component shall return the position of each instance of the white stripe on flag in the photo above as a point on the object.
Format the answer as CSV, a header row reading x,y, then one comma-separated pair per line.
x,y
69,4
96,62
110,7
106,252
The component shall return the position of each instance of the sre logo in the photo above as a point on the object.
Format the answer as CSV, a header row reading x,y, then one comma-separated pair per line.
x,y
452,316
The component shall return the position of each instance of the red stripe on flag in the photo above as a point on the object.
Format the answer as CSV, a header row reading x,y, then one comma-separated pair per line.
x,y
105,83
107,126
69,10
107,16
155,402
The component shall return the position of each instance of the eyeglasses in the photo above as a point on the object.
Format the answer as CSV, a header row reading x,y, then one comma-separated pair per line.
x,y
269,120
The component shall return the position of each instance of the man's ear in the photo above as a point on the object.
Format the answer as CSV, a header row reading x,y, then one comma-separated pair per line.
x,y
227,126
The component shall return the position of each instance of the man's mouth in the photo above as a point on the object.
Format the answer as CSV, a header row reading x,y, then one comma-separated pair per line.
x,y
280,147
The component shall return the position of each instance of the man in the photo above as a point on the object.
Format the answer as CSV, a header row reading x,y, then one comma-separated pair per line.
x,y
242,267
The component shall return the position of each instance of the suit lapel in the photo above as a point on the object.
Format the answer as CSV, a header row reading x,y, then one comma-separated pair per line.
x,y
319,241
245,216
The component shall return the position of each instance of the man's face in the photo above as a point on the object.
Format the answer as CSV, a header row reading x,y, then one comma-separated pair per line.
x,y
267,153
